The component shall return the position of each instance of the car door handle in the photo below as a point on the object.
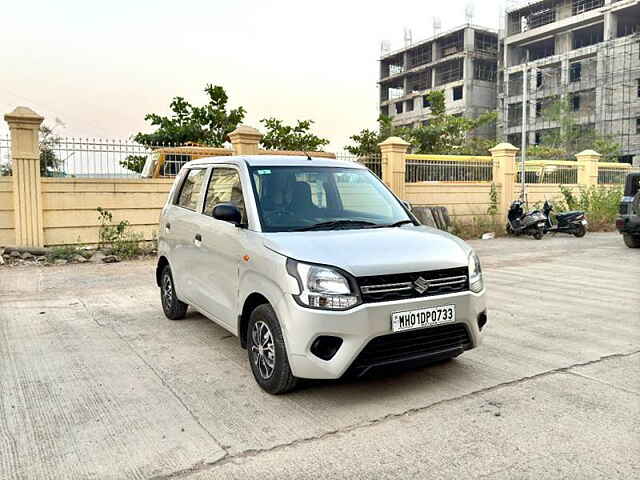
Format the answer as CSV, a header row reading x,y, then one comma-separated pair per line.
x,y
197,240
167,226
198,237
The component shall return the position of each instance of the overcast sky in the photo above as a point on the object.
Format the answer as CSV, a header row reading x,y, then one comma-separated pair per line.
x,y
100,66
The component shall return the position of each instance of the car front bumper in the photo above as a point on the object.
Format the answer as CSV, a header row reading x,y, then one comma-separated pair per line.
x,y
358,326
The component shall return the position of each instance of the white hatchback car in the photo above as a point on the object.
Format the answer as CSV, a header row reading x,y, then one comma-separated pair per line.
x,y
316,266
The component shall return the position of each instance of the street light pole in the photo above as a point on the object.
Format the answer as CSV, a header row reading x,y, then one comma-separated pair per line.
x,y
525,121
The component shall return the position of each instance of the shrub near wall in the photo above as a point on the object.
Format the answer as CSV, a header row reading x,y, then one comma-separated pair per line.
x,y
601,204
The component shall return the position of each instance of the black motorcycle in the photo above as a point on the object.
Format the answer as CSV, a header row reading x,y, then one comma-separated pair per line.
x,y
520,222
573,223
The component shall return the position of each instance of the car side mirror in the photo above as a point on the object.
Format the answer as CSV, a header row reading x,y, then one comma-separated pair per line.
x,y
227,212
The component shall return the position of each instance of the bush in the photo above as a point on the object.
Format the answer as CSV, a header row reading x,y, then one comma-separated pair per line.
x,y
476,227
66,252
127,245
123,242
600,203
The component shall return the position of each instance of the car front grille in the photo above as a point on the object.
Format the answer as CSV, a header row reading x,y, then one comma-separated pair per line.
x,y
412,345
385,288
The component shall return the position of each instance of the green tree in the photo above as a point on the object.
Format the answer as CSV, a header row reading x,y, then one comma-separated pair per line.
x,y
134,163
443,133
449,134
279,136
569,138
50,164
208,124
366,141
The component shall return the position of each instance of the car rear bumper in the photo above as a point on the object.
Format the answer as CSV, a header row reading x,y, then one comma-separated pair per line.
x,y
368,342
628,224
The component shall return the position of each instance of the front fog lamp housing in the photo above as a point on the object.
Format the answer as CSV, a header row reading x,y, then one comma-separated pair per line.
x,y
322,287
475,273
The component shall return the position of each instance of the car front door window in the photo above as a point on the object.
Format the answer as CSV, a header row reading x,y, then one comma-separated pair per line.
x,y
224,187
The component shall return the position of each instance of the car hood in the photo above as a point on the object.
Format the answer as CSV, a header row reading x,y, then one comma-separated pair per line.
x,y
382,251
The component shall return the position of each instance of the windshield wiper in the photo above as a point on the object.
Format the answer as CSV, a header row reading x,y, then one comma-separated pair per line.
x,y
393,225
335,224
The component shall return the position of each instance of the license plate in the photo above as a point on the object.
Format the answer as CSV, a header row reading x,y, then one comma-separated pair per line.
x,y
423,318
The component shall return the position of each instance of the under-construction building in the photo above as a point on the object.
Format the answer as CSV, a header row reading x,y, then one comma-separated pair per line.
x,y
585,52
462,62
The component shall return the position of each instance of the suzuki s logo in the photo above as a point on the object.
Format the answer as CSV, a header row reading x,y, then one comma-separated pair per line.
x,y
421,285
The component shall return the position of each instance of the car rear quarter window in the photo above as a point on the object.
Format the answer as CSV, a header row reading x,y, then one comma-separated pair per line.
x,y
191,188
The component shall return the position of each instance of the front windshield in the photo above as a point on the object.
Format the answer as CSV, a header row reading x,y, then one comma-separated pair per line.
x,y
322,198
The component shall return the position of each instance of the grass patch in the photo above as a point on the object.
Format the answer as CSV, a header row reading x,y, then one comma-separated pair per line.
x,y
66,252
474,229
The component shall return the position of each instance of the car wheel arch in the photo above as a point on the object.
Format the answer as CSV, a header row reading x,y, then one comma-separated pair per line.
x,y
162,262
251,302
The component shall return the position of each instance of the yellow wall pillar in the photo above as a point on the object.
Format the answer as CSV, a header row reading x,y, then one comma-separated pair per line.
x,y
24,125
245,140
504,174
588,167
394,164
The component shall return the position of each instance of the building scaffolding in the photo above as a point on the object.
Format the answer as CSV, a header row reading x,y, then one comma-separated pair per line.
x,y
596,92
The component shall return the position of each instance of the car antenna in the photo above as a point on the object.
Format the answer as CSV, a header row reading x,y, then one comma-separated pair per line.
x,y
308,156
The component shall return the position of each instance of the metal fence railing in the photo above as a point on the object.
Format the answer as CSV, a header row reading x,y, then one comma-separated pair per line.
x,y
613,175
549,172
5,155
94,158
372,161
448,168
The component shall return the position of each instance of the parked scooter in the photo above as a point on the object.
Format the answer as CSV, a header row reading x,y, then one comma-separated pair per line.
x,y
573,223
520,222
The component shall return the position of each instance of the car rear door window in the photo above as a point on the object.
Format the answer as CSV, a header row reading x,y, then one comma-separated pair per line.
x,y
191,188
224,187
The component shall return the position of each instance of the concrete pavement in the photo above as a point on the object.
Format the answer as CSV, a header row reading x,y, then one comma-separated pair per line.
x,y
96,383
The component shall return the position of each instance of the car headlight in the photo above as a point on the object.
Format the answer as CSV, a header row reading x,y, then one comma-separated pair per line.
x,y
475,273
322,287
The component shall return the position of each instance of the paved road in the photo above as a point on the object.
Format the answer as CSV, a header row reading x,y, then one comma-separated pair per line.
x,y
95,383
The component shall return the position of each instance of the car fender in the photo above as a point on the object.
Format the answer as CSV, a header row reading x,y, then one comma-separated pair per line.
x,y
254,282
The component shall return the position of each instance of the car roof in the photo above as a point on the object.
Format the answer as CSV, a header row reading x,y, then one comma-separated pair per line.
x,y
275,161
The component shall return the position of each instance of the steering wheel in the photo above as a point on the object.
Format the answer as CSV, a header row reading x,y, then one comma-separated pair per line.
x,y
278,214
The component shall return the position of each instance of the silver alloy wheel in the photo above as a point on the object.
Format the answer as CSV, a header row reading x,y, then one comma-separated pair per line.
x,y
167,290
263,351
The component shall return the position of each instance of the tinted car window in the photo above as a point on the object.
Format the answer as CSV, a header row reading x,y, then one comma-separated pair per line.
x,y
224,187
191,187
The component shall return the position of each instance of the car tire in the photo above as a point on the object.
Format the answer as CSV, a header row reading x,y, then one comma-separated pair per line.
x,y
268,353
580,231
631,241
173,308
538,235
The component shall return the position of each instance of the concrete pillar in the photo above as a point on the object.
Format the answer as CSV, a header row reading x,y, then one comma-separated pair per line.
x,y
563,43
610,26
504,174
24,125
394,164
245,140
588,168
469,39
